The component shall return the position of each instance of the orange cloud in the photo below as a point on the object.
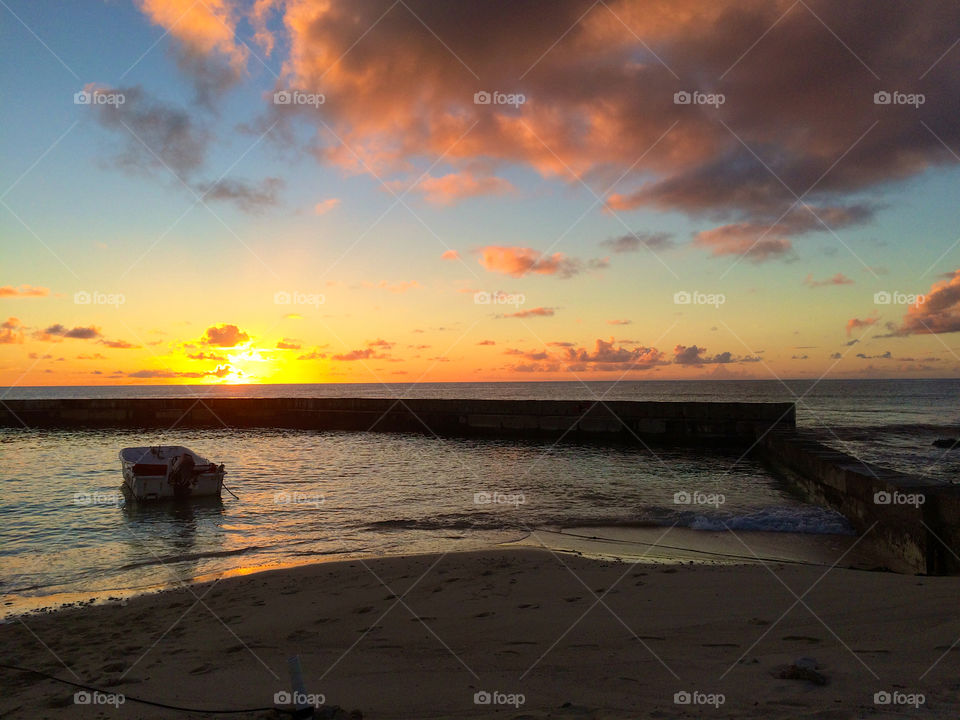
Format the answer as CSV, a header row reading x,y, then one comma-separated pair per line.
x,y
937,311
11,331
856,323
206,32
452,255
398,288
533,312
520,261
224,336
23,291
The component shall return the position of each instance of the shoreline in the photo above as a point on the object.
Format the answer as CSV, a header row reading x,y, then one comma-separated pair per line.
x,y
420,636
642,543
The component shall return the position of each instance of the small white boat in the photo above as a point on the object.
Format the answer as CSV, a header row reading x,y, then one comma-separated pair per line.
x,y
169,471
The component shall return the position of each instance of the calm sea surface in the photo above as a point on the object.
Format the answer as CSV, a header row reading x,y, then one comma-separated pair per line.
x,y
304,496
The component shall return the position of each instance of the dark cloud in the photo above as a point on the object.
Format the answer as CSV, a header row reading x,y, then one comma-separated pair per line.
x,y
696,356
249,197
155,135
799,109
220,372
78,333
159,137
633,242
120,344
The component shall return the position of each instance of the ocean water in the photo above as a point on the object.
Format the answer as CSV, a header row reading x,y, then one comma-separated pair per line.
x,y
65,527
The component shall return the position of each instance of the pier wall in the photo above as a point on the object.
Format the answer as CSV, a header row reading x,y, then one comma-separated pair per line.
x,y
912,524
674,421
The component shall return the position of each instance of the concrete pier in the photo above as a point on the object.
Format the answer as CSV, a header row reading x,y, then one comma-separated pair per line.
x,y
911,523
694,422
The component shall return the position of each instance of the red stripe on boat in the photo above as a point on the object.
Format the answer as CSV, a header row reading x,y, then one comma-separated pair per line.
x,y
148,469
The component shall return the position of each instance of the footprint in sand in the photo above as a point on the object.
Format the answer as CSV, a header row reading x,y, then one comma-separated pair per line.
x,y
483,614
422,618
723,645
573,598
202,669
363,610
802,638
528,605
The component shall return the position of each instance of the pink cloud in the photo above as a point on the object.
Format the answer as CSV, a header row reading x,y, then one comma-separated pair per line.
x,y
838,279
325,206
449,188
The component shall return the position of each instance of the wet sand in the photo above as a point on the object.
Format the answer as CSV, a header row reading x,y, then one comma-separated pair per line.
x,y
427,636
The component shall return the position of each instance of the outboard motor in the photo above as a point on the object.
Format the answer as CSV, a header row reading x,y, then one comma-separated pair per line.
x,y
182,475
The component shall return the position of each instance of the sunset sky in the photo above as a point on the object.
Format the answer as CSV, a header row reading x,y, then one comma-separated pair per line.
x,y
220,191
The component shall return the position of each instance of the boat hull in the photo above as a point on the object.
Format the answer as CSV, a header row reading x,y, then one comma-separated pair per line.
x,y
147,475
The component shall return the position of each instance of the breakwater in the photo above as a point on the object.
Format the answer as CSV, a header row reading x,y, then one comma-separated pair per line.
x,y
673,421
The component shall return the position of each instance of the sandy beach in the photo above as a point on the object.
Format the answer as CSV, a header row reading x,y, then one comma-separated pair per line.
x,y
537,633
